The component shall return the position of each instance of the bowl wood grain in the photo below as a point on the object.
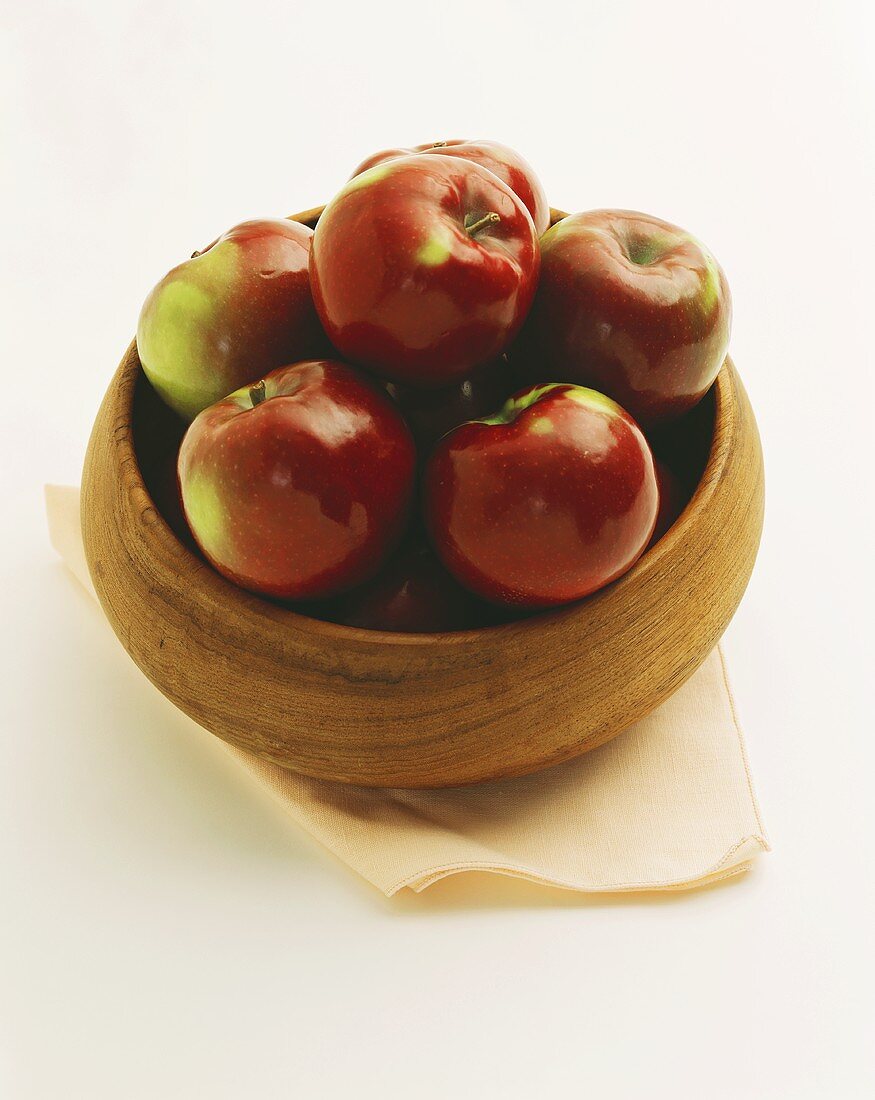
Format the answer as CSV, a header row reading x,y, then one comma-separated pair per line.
x,y
413,710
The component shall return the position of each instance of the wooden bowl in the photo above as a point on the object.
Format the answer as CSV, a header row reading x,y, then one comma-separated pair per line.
x,y
414,710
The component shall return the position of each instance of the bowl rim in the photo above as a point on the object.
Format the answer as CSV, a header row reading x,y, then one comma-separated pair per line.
x,y
719,450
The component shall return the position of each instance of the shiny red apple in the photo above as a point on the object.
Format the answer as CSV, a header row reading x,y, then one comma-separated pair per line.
x,y
423,269
632,306
544,502
412,593
503,161
298,486
231,314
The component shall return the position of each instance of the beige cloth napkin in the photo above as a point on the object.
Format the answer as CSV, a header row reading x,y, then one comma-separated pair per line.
x,y
667,805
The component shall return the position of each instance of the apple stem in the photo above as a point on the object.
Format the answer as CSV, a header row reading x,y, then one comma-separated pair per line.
x,y
488,219
195,254
439,145
257,393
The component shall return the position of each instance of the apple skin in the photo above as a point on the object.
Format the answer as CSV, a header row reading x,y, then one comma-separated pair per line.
x,y
631,306
545,502
412,593
430,414
230,315
499,159
411,279
303,492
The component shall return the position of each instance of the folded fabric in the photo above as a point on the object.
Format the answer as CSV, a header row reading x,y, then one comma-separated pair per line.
x,y
667,805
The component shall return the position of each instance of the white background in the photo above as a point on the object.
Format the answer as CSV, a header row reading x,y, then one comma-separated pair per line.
x,y
166,932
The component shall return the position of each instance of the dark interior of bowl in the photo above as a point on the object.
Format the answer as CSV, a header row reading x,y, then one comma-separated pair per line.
x,y
684,448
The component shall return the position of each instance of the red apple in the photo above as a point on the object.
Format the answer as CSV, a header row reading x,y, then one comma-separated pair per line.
x,y
230,314
632,306
299,485
412,593
423,269
504,162
432,413
545,502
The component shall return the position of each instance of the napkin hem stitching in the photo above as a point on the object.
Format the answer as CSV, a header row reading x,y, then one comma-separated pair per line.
x,y
418,885
763,838
435,873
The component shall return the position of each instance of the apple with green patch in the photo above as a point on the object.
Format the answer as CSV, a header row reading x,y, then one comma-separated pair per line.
x,y
298,486
423,269
231,314
632,306
501,160
548,500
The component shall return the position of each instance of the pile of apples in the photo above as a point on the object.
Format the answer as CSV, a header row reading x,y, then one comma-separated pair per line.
x,y
433,412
